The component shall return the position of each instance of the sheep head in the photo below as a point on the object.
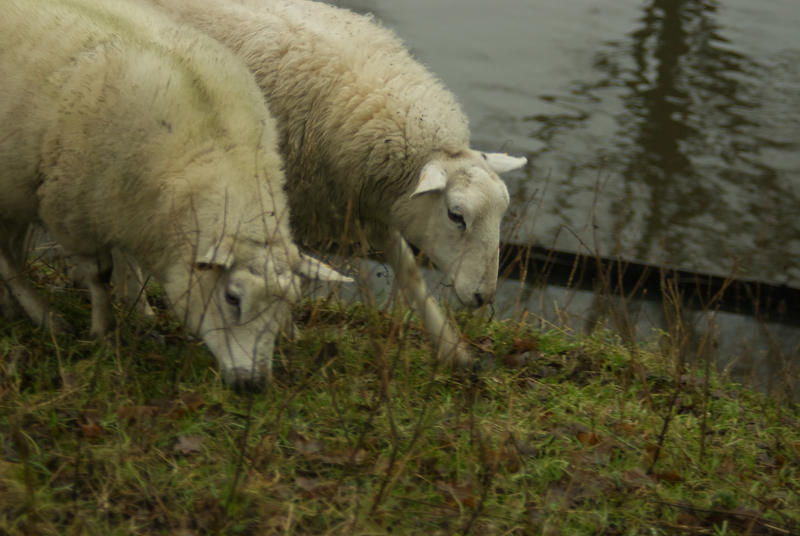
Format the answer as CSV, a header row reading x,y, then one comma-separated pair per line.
x,y
240,299
453,215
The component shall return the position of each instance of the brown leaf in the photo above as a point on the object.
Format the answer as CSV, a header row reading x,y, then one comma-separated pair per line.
x,y
589,439
193,400
688,519
637,478
155,356
624,428
188,402
345,457
312,487
303,445
516,360
505,458
91,430
668,476
313,449
525,345
457,494
276,524
214,411
188,445
137,413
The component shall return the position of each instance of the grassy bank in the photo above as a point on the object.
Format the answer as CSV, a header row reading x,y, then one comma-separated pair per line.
x,y
362,433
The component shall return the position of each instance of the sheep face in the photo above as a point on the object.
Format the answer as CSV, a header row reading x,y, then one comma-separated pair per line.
x,y
454,217
240,301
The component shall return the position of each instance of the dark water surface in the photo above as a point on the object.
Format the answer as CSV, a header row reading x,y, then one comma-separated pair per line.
x,y
660,131
673,126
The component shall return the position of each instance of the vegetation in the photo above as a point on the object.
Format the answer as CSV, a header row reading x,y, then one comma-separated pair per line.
x,y
363,433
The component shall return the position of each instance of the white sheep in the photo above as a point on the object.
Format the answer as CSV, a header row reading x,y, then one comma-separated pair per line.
x,y
119,129
374,144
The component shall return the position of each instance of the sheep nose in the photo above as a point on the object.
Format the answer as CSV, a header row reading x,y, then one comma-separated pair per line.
x,y
479,299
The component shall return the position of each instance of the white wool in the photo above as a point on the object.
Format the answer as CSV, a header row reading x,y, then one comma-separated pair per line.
x,y
360,120
121,130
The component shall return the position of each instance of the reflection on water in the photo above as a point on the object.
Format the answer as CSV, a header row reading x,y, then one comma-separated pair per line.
x,y
687,175
662,131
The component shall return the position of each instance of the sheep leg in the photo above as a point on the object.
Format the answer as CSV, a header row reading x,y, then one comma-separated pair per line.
x,y
449,345
96,273
27,296
128,283
8,307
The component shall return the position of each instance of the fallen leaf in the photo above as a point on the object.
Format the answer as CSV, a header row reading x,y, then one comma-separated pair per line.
x,y
136,413
668,476
91,430
346,457
303,445
624,428
517,360
188,402
505,458
312,487
457,494
155,356
214,411
589,439
188,445
314,449
687,519
637,478
193,400
525,345
277,524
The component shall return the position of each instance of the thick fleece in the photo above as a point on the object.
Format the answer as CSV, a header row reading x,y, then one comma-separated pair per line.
x,y
374,144
122,130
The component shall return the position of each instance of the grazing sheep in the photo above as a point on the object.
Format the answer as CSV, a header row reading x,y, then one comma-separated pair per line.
x,y
374,144
121,130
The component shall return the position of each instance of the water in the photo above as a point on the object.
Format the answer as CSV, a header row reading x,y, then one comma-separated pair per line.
x,y
662,131
686,114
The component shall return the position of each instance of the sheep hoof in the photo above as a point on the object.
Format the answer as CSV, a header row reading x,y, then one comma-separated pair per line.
x,y
463,358
457,356
101,332
245,380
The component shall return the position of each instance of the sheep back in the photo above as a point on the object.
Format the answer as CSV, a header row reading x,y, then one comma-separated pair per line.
x,y
82,106
358,116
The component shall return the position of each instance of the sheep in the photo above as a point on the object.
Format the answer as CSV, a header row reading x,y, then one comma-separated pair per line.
x,y
375,146
121,130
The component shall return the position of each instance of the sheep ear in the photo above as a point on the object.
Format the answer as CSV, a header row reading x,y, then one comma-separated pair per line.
x,y
314,269
432,178
502,163
214,254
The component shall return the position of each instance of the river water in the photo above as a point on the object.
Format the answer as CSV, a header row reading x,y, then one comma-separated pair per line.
x,y
660,131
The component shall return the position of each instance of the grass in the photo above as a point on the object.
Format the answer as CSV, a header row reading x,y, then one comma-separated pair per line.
x,y
363,433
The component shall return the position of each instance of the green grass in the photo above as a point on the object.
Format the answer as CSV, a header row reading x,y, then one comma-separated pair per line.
x,y
362,433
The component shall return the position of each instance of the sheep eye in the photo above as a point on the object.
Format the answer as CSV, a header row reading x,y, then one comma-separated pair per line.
x,y
458,219
232,299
